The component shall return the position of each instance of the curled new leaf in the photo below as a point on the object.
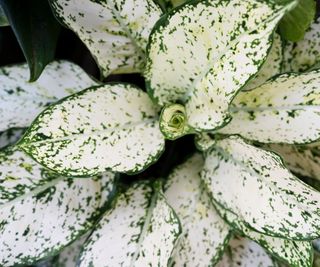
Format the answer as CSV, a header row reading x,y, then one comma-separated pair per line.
x,y
173,122
222,44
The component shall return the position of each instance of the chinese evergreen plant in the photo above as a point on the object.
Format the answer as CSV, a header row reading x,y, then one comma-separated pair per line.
x,y
240,77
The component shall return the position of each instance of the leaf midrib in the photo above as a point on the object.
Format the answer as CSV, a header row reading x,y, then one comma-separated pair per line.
x,y
124,27
276,189
235,109
212,62
144,228
33,192
75,136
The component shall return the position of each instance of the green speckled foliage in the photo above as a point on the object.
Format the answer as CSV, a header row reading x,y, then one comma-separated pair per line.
x,y
214,162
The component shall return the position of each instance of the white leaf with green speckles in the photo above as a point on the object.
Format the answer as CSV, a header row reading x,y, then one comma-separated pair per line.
x,y
114,126
284,110
272,65
204,233
141,230
305,54
19,175
294,253
254,185
245,253
39,225
21,101
203,53
116,32
204,141
69,256
10,137
303,160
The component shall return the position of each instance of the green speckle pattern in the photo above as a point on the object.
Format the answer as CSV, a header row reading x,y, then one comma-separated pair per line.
x,y
69,256
19,175
116,32
39,225
21,101
245,253
303,160
204,233
222,44
293,253
114,126
305,54
272,65
204,141
141,230
255,186
284,110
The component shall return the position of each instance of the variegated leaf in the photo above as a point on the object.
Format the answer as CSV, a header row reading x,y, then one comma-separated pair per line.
x,y
19,175
141,230
260,192
173,122
245,253
303,160
204,233
293,253
284,110
69,256
204,141
41,223
113,126
303,55
21,101
10,137
116,32
272,65
204,52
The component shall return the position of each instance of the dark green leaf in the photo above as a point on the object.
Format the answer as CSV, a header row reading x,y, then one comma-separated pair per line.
x,y
35,29
294,25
